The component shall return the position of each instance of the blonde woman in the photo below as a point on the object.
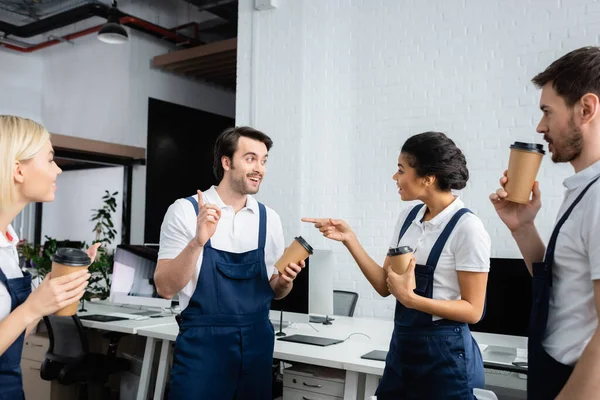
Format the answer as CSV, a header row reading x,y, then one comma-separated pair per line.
x,y
27,174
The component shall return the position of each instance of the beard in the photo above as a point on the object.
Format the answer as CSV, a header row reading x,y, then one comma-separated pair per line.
x,y
240,185
570,144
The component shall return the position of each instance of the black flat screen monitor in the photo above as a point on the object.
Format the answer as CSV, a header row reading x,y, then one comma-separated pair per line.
x,y
508,302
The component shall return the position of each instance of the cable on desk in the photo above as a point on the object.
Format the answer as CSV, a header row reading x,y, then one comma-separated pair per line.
x,y
356,333
311,325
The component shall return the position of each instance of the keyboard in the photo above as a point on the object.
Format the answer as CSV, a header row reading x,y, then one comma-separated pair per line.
x,y
496,371
313,340
101,318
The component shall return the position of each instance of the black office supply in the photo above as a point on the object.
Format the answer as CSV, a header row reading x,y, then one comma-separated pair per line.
x,y
102,318
377,355
313,340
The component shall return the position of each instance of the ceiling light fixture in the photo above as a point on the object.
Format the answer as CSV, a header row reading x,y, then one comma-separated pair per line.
x,y
112,32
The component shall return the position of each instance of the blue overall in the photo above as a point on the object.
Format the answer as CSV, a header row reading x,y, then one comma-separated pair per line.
x,y
430,359
11,382
224,349
546,376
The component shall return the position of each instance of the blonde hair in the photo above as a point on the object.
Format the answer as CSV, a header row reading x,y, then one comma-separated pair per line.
x,y
20,139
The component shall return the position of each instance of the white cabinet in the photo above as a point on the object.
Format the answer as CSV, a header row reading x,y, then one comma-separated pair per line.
x,y
309,382
34,353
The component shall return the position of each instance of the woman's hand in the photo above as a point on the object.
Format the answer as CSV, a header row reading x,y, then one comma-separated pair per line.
x,y
54,294
402,286
93,251
334,229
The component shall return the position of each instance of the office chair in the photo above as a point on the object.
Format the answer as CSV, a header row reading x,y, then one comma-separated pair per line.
x,y
344,303
483,394
69,361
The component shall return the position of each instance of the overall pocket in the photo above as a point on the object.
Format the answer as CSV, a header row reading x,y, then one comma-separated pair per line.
x,y
240,288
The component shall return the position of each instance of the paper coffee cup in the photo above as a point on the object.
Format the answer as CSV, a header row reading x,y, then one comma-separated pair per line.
x,y
298,251
66,261
523,166
400,258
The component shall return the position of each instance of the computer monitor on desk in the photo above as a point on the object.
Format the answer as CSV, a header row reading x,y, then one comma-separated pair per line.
x,y
133,277
508,302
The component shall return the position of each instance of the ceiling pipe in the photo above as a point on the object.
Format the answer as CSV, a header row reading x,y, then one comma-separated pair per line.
x,y
56,21
81,13
133,22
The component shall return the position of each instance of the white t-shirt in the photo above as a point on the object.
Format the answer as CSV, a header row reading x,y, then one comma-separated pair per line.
x,y
467,248
572,318
9,262
236,233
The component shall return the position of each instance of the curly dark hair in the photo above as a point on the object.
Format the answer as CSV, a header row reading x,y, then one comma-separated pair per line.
x,y
434,154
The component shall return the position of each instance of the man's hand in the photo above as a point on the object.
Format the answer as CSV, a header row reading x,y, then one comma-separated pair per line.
x,y
206,223
285,280
515,215
282,283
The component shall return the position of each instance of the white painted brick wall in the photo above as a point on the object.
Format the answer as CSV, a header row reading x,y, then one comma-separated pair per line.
x,y
340,85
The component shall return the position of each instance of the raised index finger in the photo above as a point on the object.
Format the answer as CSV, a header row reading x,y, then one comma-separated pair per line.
x,y
200,199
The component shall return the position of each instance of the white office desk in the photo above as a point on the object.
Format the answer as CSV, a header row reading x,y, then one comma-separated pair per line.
x,y
501,350
131,327
345,356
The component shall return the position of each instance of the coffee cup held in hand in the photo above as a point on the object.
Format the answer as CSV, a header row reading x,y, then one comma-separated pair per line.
x,y
523,166
298,251
66,261
400,258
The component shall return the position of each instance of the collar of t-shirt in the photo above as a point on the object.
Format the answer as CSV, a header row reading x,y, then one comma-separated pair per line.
x,y
442,217
212,196
582,177
10,239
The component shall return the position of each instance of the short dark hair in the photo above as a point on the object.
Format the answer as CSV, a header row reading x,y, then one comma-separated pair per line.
x,y
434,154
573,75
226,145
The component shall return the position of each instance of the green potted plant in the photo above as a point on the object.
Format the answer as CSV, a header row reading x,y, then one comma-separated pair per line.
x,y
101,268
38,257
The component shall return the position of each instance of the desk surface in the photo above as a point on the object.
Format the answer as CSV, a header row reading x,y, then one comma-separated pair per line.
x,y
501,350
123,326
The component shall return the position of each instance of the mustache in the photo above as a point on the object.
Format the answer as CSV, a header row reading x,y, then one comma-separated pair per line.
x,y
547,139
254,176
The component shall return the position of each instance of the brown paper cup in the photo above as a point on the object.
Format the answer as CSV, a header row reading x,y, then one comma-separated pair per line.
x,y
400,258
523,167
67,261
298,251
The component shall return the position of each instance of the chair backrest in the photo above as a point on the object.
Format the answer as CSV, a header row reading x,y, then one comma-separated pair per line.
x,y
344,303
68,342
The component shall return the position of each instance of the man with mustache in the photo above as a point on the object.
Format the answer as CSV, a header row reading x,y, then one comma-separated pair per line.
x,y
564,341
218,250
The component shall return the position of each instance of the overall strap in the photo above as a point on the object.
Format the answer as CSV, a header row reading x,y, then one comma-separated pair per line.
x,y
3,277
436,251
409,220
549,258
262,228
194,202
